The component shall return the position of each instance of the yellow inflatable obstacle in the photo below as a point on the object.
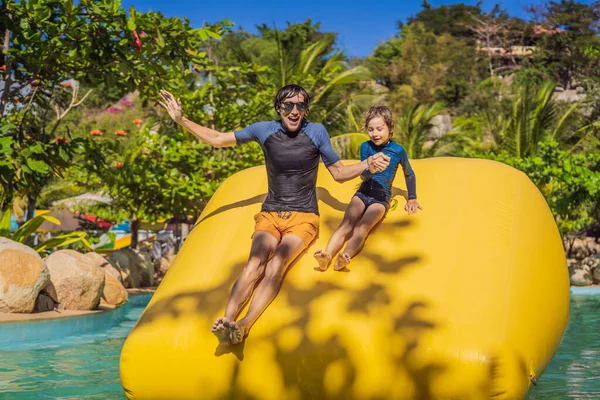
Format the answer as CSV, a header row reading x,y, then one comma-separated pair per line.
x,y
469,299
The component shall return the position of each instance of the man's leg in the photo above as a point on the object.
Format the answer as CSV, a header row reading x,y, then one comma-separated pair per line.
x,y
263,244
370,218
353,213
287,251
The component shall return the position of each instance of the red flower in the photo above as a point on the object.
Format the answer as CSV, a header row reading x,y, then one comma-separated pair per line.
x,y
120,132
137,121
143,34
61,140
96,132
66,84
3,68
137,42
118,164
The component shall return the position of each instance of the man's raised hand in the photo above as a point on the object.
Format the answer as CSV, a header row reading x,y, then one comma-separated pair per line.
x,y
172,106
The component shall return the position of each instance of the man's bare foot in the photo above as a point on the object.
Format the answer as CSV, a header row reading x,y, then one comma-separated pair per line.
x,y
323,259
342,261
223,329
238,333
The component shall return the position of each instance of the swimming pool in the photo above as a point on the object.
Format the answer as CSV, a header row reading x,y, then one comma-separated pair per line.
x,y
86,365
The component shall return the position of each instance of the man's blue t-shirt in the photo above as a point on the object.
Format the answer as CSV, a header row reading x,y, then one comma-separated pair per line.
x,y
292,161
379,184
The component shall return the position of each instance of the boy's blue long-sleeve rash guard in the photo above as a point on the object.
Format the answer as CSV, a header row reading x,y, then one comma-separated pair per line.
x,y
381,182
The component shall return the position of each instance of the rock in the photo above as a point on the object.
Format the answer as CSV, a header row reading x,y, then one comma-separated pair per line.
x,y
44,303
136,266
592,245
114,293
569,96
582,248
580,275
78,281
50,291
593,263
102,262
164,263
23,274
571,262
441,125
120,261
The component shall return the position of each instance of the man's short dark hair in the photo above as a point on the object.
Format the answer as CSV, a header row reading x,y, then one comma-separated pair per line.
x,y
288,91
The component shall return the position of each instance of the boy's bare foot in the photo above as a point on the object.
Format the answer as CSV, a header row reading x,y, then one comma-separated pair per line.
x,y
238,333
222,329
342,260
323,259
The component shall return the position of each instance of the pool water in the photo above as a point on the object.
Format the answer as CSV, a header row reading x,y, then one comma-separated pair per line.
x,y
574,372
86,366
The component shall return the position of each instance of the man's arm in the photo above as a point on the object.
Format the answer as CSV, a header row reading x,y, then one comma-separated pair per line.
x,y
342,173
210,136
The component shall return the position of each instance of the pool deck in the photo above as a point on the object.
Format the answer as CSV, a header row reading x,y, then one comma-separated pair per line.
x,y
593,289
20,317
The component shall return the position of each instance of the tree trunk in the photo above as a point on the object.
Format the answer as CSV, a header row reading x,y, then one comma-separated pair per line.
x,y
134,227
31,204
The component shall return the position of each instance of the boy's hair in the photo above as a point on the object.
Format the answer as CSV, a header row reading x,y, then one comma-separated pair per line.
x,y
380,111
290,91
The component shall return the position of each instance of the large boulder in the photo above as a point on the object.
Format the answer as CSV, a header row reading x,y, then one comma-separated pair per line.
x,y
163,264
102,262
114,293
440,126
23,274
582,248
137,269
593,263
77,280
580,274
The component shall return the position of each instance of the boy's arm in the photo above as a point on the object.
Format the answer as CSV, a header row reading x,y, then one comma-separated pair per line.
x,y
210,136
409,176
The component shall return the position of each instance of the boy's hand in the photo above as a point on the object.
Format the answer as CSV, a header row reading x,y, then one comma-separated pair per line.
x,y
412,206
172,106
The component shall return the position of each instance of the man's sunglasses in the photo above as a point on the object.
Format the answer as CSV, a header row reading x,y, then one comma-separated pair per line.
x,y
289,106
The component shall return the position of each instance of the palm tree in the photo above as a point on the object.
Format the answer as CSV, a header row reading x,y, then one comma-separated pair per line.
x,y
413,127
533,117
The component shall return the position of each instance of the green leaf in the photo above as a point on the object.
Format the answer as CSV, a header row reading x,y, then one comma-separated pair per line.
x,y
7,127
31,226
38,166
131,21
213,35
5,145
160,39
5,224
63,154
203,34
62,241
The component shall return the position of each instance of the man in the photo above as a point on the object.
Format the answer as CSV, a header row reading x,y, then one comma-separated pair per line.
x,y
289,218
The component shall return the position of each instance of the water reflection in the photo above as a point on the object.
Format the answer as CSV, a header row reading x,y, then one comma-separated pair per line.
x,y
574,373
